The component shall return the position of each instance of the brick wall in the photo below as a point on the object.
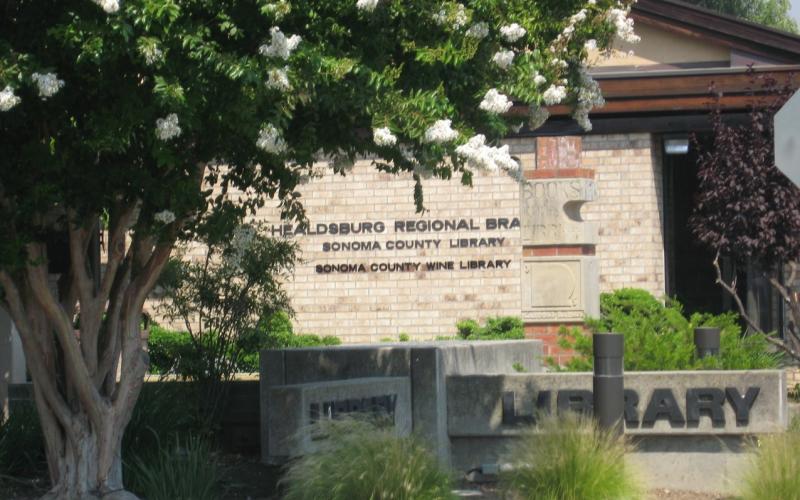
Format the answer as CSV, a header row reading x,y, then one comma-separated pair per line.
x,y
628,210
365,307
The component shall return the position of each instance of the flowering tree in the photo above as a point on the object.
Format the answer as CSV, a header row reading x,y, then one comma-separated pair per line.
x,y
747,209
119,116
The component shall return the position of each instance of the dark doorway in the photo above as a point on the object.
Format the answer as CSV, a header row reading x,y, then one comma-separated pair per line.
x,y
689,272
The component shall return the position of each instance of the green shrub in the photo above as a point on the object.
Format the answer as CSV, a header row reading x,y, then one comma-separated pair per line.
x,y
569,458
169,350
185,470
659,337
404,337
496,328
358,460
174,352
21,443
774,473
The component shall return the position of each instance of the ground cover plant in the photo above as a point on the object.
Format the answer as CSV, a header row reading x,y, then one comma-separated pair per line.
x,y
360,459
569,458
144,123
659,336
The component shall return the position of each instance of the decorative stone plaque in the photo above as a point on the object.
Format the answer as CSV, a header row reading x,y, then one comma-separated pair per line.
x,y
551,212
556,289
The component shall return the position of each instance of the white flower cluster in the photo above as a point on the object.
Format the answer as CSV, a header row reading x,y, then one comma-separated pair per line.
x,y
539,80
459,18
279,45
495,102
241,242
560,42
538,116
367,5
554,94
440,132
7,99
479,155
512,32
152,53
270,140
48,84
278,79
623,24
384,137
478,31
589,96
503,58
110,6
591,44
164,217
167,128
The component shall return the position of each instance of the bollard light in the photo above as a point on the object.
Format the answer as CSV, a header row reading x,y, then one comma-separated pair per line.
x,y
609,390
706,341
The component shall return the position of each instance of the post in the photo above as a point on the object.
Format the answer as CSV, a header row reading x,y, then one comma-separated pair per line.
x,y
609,390
706,341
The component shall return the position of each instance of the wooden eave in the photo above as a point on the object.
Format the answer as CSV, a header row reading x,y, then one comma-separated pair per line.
x,y
678,90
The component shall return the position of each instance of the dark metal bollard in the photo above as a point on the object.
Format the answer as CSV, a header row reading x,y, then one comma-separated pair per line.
x,y
609,390
706,341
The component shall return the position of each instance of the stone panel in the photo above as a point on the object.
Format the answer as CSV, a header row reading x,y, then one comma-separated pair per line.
x,y
559,289
551,212
295,407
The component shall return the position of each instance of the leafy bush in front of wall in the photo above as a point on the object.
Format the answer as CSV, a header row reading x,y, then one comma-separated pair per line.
x,y
358,460
659,337
175,352
569,458
495,328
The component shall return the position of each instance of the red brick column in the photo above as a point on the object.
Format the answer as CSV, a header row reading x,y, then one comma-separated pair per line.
x,y
556,158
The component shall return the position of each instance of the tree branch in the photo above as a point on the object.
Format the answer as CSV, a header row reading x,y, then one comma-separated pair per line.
x,y
731,289
37,364
75,366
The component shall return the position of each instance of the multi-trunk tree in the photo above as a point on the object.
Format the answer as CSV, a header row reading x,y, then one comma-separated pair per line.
x,y
117,117
747,210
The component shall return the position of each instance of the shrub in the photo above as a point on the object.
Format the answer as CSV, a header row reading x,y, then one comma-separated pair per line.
x,y
185,471
358,460
659,337
175,352
21,443
774,473
496,328
569,458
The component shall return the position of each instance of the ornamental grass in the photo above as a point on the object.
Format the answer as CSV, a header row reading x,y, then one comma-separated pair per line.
x,y
774,472
357,459
569,458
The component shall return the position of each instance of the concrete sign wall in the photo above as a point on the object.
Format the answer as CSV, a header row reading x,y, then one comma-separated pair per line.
x,y
657,403
469,400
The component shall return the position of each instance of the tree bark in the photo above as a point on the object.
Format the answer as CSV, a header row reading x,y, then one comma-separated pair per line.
x,y
83,406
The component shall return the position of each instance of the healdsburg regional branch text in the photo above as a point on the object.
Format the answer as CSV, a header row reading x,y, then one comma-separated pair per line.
x,y
400,226
405,227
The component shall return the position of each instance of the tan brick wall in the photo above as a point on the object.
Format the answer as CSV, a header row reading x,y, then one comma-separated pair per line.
x,y
365,307
628,210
